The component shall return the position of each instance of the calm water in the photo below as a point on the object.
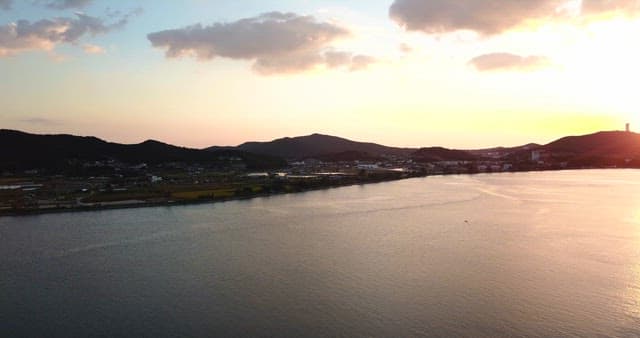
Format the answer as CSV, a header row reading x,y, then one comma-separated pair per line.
x,y
527,254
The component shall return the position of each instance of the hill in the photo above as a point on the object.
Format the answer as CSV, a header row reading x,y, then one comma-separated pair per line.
x,y
317,145
22,150
601,148
502,152
605,148
604,143
349,156
436,154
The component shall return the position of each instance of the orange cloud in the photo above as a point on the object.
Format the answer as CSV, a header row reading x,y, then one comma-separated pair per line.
x,y
45,34
483,16
491,17
93,49
607,6
508,61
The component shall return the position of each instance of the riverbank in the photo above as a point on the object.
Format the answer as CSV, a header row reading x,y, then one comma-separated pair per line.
x,y
245,196
169,203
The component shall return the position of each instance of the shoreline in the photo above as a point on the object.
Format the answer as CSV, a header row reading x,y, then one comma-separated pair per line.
x,y
142,204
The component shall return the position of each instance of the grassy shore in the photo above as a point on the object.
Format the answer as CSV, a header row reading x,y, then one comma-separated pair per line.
x,y
166,197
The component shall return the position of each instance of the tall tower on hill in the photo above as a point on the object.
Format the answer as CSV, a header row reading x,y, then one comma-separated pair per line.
x,y
627,128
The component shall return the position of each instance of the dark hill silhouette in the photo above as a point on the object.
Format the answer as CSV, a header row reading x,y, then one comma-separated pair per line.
x,y
318,145
601,148
435,154
604,143
349,156
503,152
21,150
335,149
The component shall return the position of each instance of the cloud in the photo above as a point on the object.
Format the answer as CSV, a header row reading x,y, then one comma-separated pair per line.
x,y
405,48
123,17
39,121
340,59
5,4
64,4
93,49
483,16
266,35
276,42
508,61
335,59
360,62
607,6
46,34
490,17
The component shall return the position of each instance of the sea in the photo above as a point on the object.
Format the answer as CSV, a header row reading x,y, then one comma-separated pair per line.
x,y
553,254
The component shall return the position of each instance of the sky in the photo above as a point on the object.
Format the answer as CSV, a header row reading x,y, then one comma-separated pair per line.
x,y
197,73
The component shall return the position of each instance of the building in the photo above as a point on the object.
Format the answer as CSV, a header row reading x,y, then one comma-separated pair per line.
x,y
540,156
535,155
368,166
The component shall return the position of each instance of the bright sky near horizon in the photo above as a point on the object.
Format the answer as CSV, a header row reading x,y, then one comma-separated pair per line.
x,y
465,74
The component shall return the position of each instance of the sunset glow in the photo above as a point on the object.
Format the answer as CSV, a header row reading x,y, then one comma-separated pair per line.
x,y
320,168
366,71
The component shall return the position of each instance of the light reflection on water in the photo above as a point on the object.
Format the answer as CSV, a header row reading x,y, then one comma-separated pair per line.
x,y
631,296
527,254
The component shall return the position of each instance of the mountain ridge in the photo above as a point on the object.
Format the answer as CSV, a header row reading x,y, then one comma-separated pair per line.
x,y
27,150
317,144
604,147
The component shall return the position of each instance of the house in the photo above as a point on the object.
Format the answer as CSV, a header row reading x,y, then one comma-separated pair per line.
x,y
540,156
368,166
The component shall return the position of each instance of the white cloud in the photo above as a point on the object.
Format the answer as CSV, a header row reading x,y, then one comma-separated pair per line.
x,y
276,42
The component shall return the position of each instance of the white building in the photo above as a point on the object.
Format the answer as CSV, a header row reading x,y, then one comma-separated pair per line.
x,y
535,155
368,166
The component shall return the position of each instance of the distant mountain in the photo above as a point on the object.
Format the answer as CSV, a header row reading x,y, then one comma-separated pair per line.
x,y
502,152
318,145
436,154
604,143
605,147
21,150
349,156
